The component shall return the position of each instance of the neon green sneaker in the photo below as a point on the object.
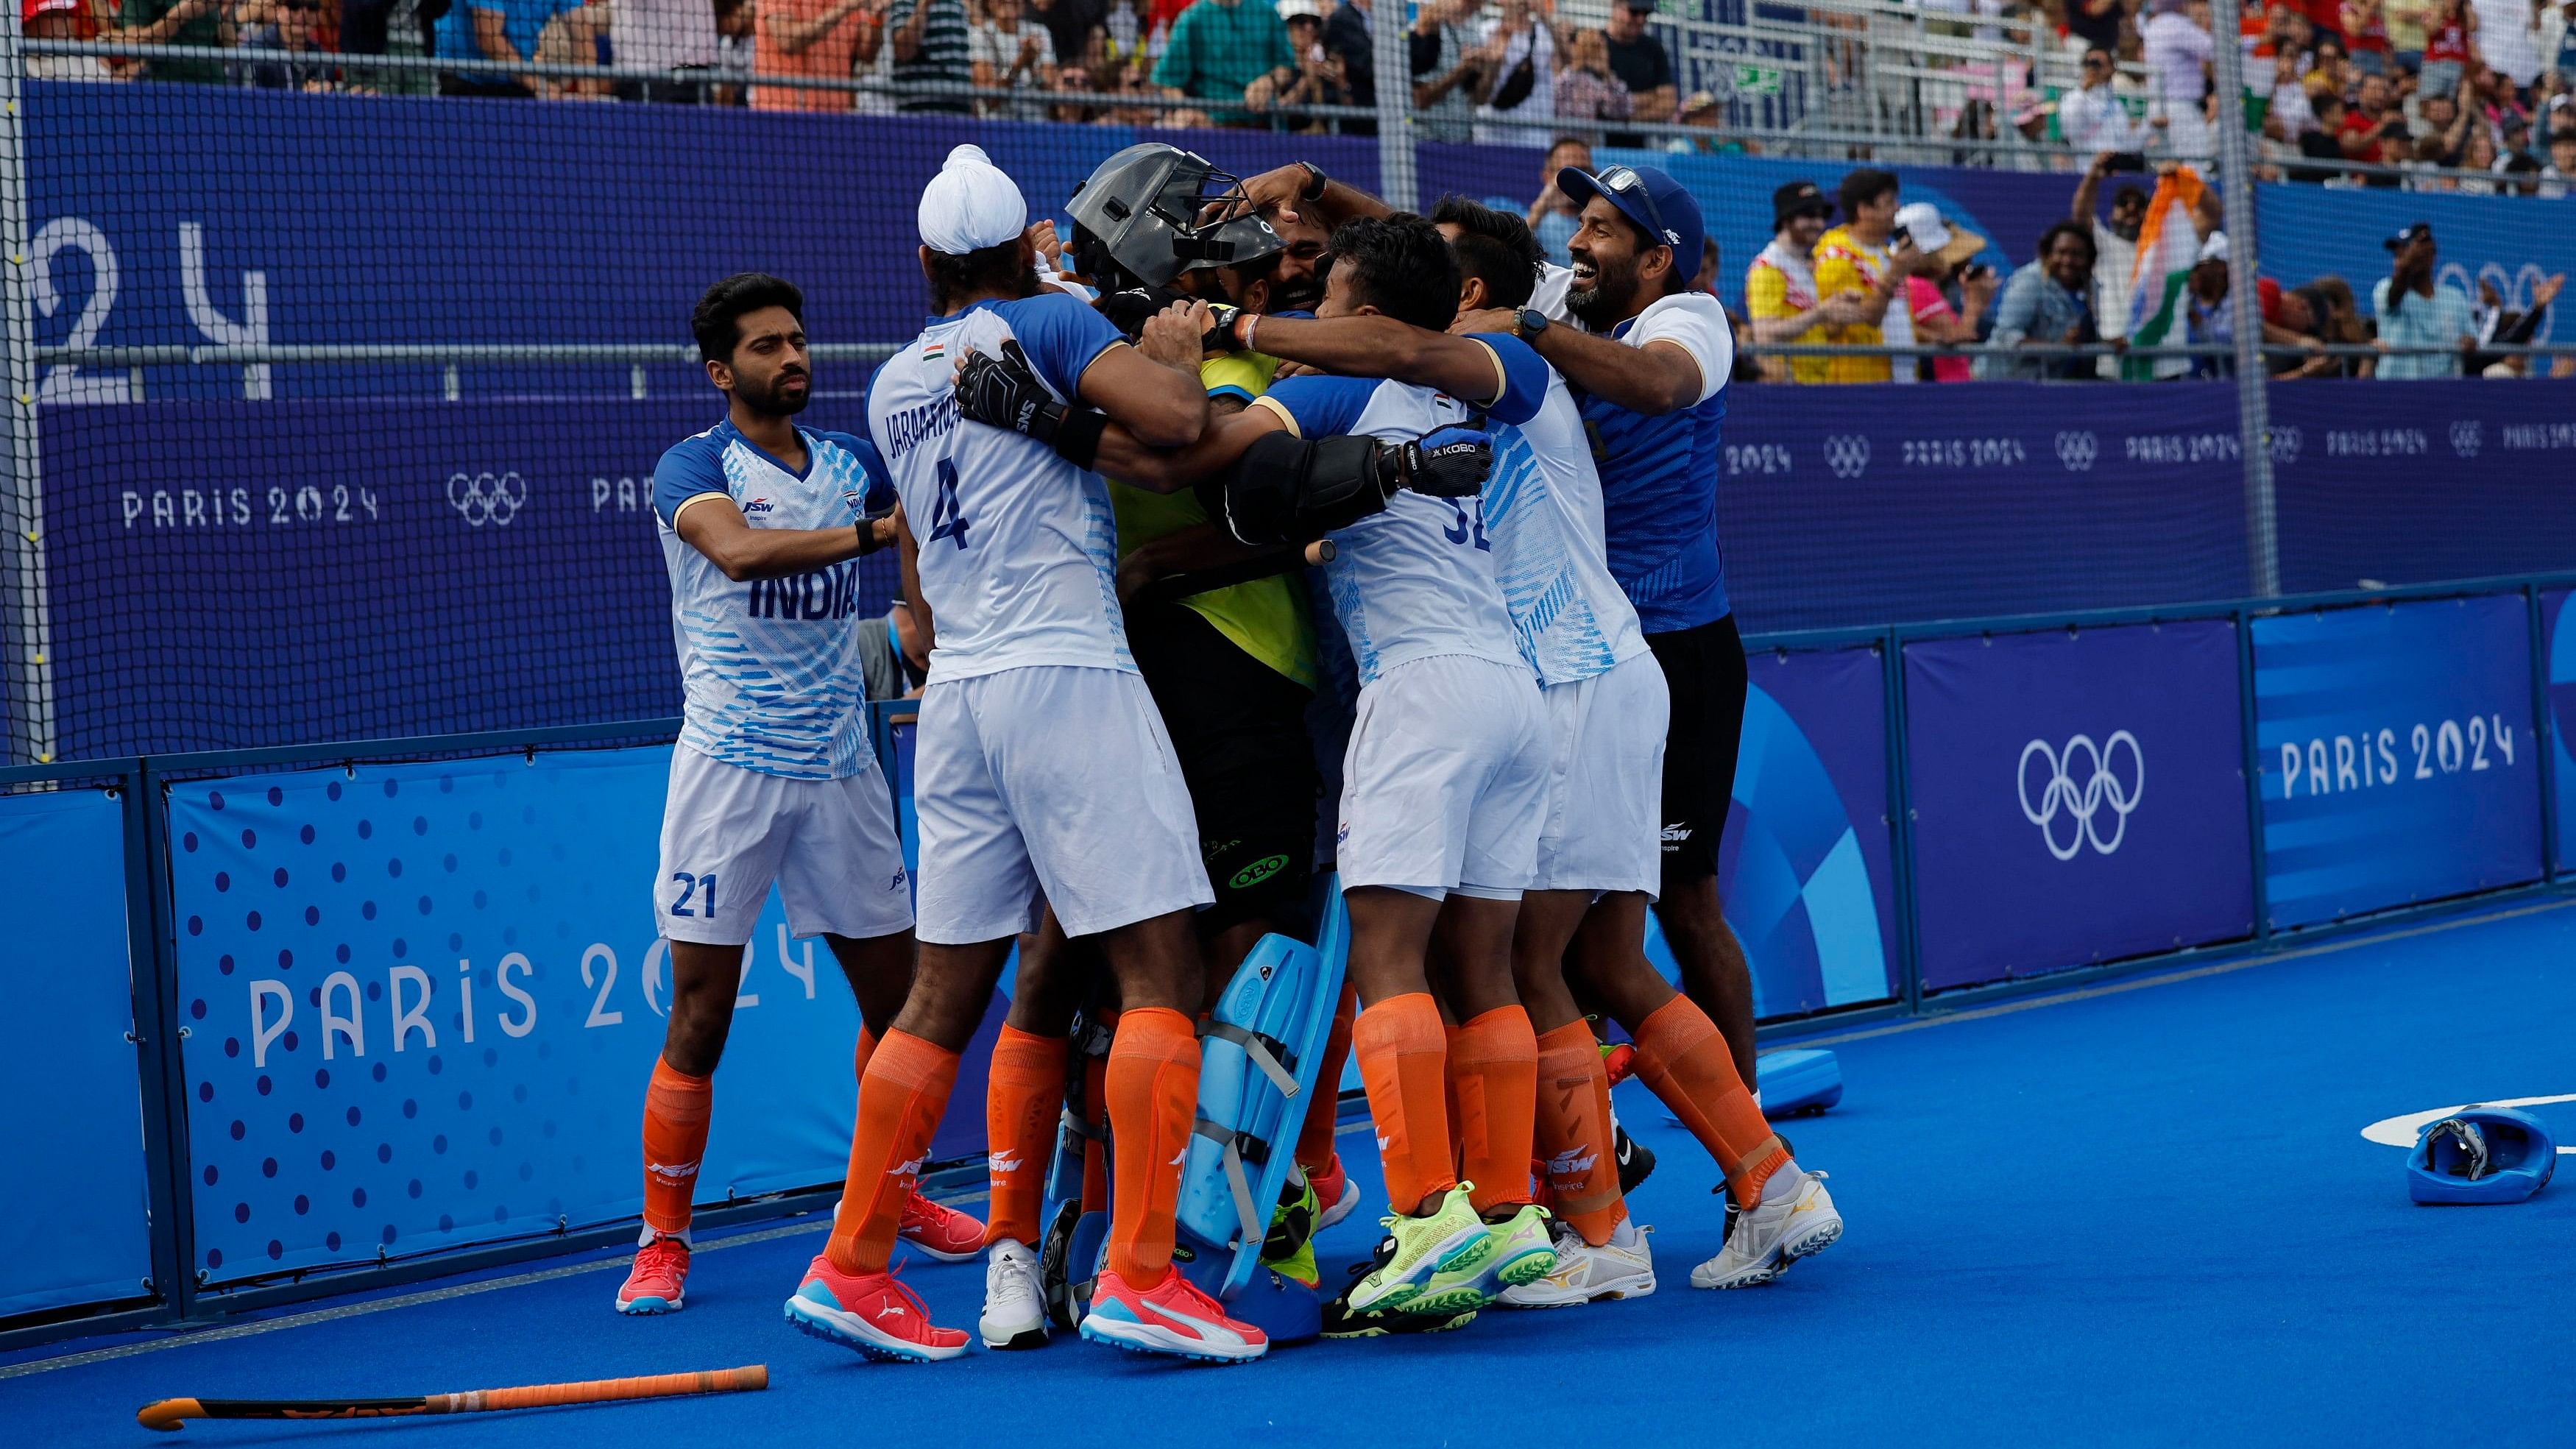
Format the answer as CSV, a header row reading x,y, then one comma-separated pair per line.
x,y
1519,1251
1417,1249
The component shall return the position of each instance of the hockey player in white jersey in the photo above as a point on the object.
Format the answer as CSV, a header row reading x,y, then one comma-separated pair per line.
x,y
772,779
1445,785
1041,765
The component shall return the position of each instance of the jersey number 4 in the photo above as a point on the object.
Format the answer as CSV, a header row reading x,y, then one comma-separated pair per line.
x,y
947,516
1463,529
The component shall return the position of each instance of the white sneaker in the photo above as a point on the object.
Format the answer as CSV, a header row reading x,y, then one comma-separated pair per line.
x,y
1796,1219
1015,1313
1586,1274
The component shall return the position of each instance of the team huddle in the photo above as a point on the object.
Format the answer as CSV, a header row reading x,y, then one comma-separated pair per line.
x,y
1248,467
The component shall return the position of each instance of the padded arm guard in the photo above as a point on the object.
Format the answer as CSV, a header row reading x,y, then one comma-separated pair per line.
x,y
1289,490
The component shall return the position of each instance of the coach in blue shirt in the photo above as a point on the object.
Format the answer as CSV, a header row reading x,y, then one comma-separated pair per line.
x,y
499,30
1649,358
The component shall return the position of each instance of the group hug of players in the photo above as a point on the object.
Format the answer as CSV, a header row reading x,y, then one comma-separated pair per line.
x,y
1109,498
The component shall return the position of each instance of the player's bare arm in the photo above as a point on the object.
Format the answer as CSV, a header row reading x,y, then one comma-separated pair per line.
x,y
713,524
1147,388
1660,377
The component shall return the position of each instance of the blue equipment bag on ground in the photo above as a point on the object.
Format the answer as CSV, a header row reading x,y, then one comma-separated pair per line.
x,y
2481,1155
1799,1079
1258,1055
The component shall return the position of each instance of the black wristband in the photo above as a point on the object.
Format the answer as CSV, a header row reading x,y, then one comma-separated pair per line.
x,y
1077,437
868,543
1315,182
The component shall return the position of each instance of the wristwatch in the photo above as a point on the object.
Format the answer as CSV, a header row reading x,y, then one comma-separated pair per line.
x,y
1529,324
1315,182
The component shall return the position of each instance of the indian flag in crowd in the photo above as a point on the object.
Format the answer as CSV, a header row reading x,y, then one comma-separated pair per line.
x,y
2167,249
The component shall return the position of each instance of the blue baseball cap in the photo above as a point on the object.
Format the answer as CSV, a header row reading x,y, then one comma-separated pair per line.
x,y
1660,206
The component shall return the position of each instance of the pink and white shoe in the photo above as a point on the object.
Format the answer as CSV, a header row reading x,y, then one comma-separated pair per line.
x,y
655,1283
1171,1317
873,1313
940,1231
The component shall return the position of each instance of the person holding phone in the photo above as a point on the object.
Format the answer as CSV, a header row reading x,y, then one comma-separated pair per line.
x,y
1867,259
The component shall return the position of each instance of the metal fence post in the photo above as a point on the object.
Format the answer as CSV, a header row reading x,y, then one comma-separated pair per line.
x,y
1388,35
26,652
2253,404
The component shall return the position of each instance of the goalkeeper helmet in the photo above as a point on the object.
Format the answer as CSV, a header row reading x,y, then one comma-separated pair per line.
x,y
1154,211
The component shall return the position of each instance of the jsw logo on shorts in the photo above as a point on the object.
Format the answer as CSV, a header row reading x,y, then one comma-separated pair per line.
x,y
1676,834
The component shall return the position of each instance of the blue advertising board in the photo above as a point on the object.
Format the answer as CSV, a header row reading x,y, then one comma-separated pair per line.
x,y
2079,796
2558,649
1806,869
67,1059
489,565
426,999
2397,754
2506,242
2418,482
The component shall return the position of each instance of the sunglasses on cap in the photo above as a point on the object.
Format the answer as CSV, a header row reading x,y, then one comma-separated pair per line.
x,y
1628,184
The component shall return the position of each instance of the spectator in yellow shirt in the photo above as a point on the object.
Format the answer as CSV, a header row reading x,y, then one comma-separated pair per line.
x,y
1780,291
1865,260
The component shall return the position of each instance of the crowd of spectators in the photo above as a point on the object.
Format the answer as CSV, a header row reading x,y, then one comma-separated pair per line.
x,y
1900,275
2350,92
1489,70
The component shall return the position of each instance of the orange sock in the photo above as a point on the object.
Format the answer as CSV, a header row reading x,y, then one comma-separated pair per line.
x,y
1573,1132
867,1048
900,1100
1683,1060
1403,1060
1020,1110
1449,1094
1153,1102
1315,1139
1493,1073
676,1109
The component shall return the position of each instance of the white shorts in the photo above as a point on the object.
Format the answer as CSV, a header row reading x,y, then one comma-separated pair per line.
x,y
729,833
1605,781
1445,783
1054,778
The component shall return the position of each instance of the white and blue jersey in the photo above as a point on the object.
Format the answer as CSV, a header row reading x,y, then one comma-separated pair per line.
x,y
1418,579
1543,513
1019,550
1659,474
771,667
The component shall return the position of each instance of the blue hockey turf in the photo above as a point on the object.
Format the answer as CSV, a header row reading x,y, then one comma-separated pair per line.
x,y
2139,1213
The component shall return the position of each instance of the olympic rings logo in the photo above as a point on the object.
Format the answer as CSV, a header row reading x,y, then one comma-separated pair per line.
x,y
2077,450
2284,444
1847,454
2083,805
2467,436
484,499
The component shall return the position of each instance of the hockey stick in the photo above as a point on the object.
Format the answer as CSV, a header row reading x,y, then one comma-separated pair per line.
x,y
168,1414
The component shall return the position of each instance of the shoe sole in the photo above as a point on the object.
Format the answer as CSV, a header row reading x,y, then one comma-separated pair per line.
x,y
1342,1207
1410,1293
1026,1338
1380,1330
1150,1339
1805,1245
649,1307
942,1255
813,1322
1642,1286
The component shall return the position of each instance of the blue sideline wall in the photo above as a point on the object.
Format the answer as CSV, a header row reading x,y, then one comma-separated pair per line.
x,y
408,1005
